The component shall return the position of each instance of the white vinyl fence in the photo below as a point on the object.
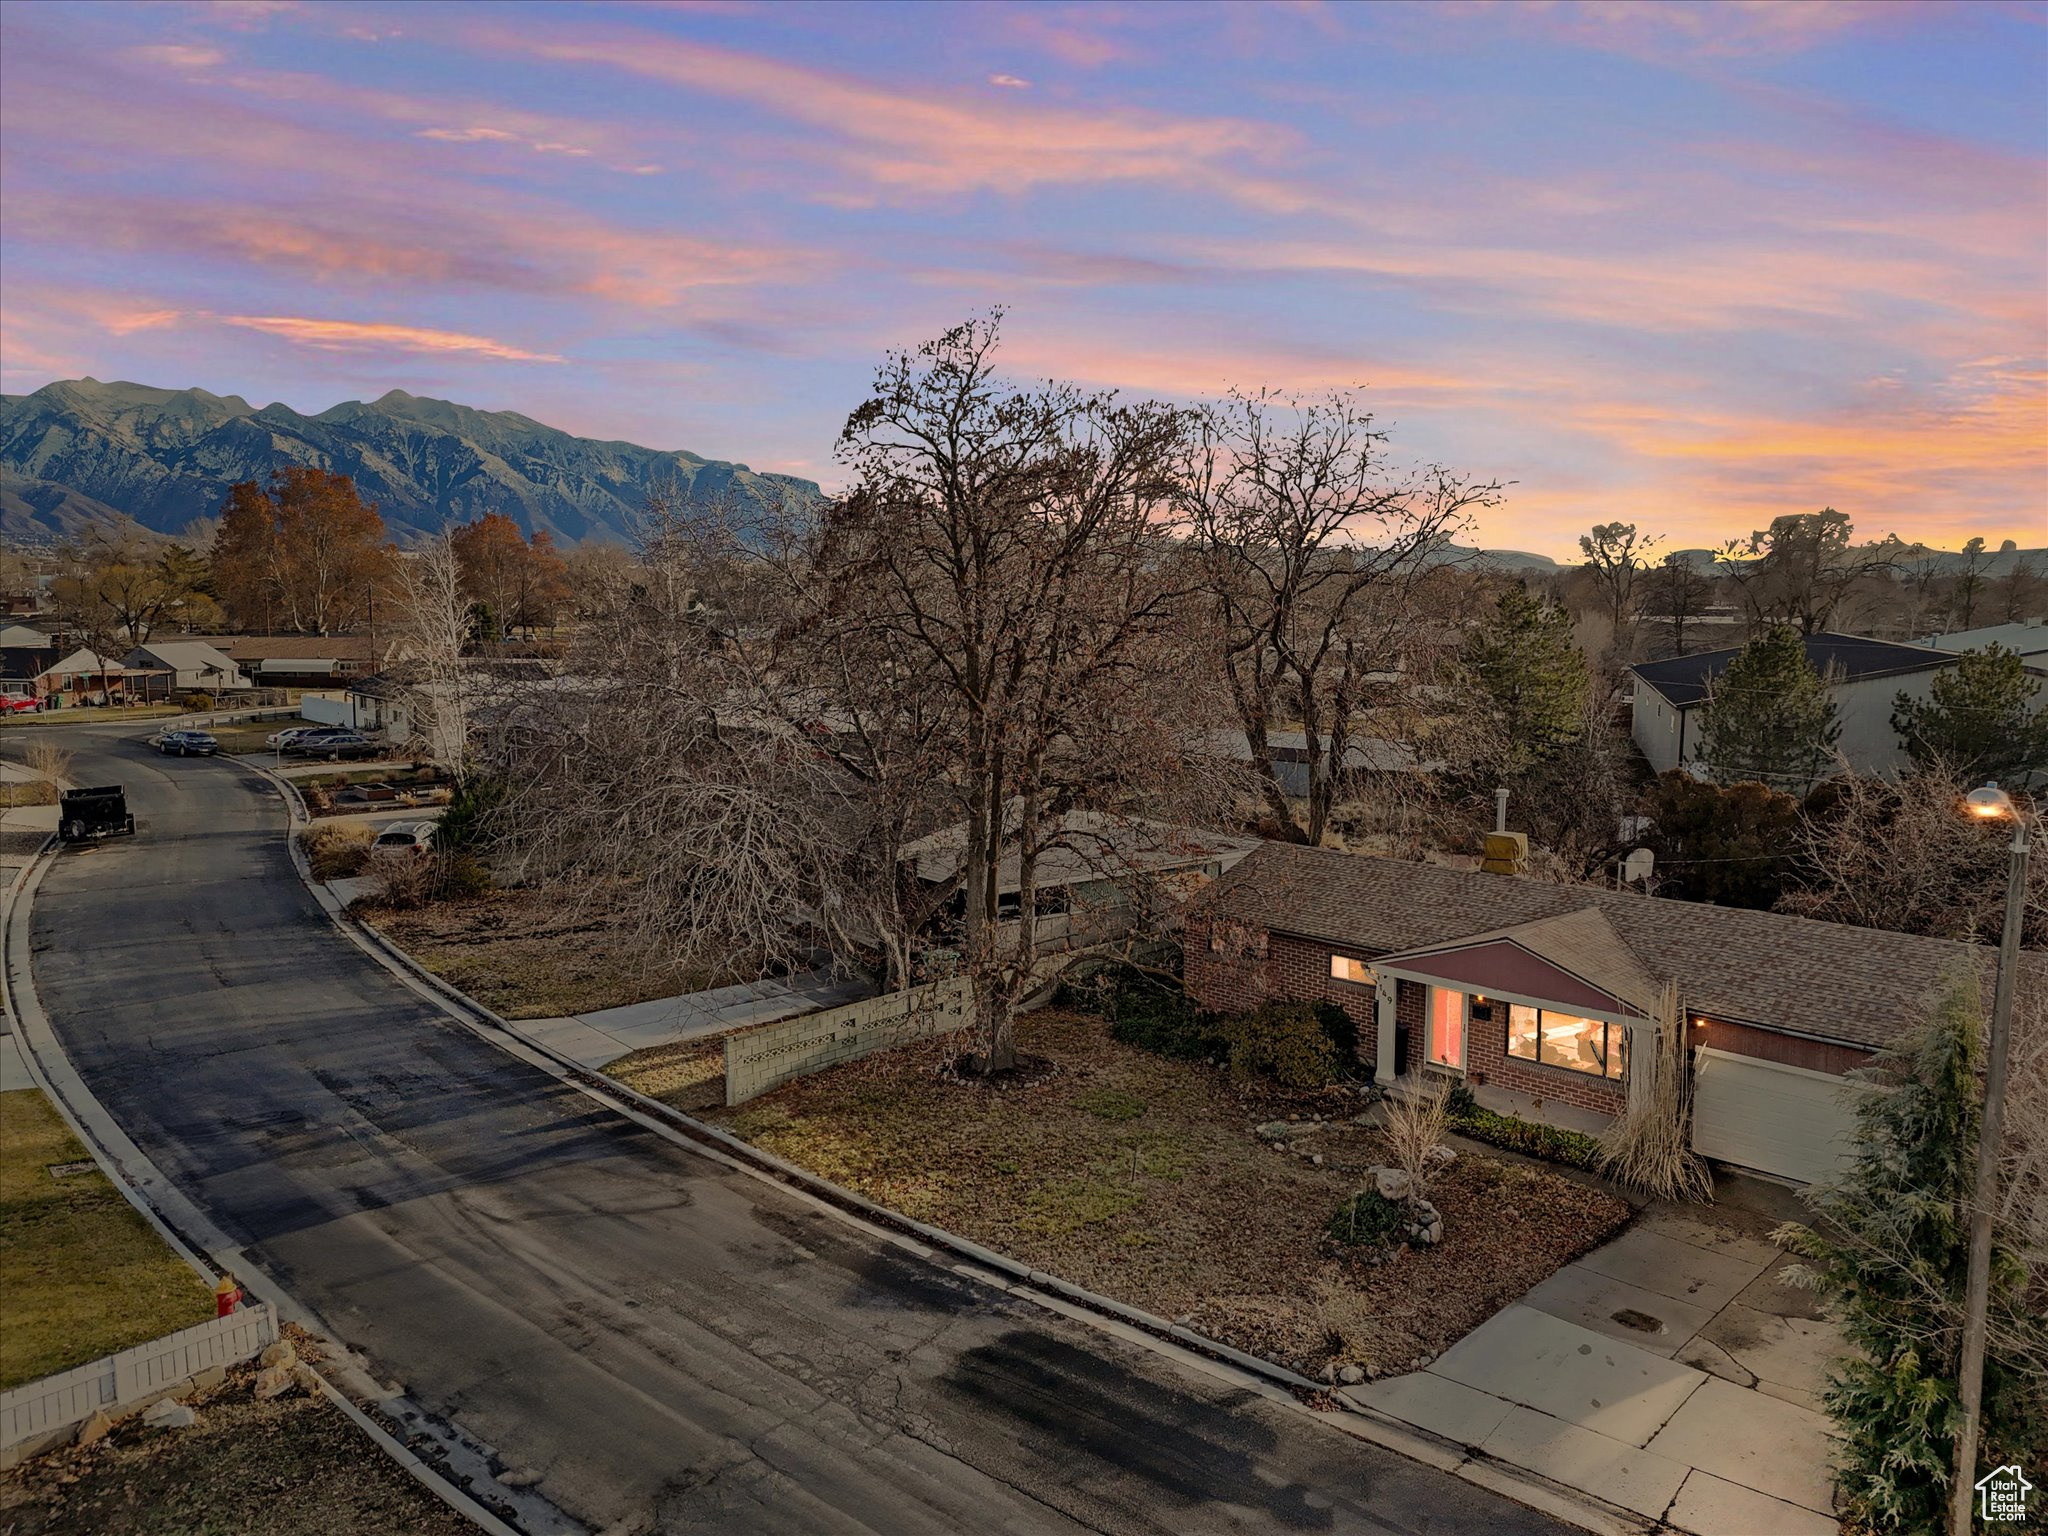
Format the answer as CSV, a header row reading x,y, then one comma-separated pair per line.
x,y
133,1376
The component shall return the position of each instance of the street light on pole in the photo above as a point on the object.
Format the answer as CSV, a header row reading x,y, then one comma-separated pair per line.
x,y
1989,804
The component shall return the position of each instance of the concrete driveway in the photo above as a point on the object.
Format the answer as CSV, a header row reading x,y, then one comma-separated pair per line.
x,y
1672,1371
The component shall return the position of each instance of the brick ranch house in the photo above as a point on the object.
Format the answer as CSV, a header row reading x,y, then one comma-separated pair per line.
x,y
1532,994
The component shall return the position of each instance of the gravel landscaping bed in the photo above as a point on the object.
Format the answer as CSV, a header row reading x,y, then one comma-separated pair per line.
x,y
1144,1178
292,1466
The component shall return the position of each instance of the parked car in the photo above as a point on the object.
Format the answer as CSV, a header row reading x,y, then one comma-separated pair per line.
x,y
277,741
87,815
406,837
185,743
333,745
19,703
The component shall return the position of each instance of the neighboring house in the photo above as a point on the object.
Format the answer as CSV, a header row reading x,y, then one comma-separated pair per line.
x,y
16,637
192,666
1363,757
1536,995
388,702
2029,641
1863,675
76,678
23,666
299,661
1096,872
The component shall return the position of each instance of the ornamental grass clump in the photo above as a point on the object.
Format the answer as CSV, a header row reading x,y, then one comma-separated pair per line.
x,y
1649,1147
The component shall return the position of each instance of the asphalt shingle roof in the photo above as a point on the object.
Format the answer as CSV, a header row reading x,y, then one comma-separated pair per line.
x,y
1683,679
1795,975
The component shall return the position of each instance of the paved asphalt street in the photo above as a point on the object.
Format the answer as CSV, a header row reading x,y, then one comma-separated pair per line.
x,y
667,1341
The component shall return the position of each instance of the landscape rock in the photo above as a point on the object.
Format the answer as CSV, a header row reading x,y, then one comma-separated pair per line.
x,y
272,1381
168,1413
307,1378
1351,1375
95,1428
1442,1156
1427,1227
1391,1183
281,1353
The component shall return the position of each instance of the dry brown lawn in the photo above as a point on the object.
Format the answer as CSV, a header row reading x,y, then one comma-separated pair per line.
x,y
531,954
1142,1178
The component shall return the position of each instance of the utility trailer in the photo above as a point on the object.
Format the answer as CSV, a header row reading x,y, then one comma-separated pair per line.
x,y
87,815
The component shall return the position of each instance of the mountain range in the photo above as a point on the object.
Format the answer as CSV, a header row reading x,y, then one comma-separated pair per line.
x,y
80,451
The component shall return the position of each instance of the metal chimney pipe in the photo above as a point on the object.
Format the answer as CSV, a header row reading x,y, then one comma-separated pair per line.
x,y
1500,810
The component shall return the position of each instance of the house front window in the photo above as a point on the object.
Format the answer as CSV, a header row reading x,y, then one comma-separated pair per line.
x,y
1344,968
1592,1046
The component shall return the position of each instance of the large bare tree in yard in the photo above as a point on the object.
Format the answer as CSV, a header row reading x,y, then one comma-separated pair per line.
x,y
1310,549
1008,546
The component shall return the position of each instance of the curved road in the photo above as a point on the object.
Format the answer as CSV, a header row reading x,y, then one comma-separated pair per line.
x,y
673,1345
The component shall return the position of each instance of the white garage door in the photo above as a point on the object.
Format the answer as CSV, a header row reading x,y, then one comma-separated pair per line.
x,y
1777,1119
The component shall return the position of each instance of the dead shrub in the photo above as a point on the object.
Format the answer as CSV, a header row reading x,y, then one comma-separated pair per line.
x,y
336,850
407,881
49,765
1414,1125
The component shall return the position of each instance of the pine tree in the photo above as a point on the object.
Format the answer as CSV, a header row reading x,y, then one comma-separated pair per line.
x,y
1891,1252
1978,719
1769,718
1532,675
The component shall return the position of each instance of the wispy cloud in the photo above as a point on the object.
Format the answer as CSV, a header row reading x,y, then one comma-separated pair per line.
x,y
333,335
1010,82
914,144
183,56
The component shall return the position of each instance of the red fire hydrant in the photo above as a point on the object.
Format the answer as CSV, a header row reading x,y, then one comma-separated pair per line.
x,y
227,1296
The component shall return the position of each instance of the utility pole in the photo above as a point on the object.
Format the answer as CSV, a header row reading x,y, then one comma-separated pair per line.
x,y
1990,801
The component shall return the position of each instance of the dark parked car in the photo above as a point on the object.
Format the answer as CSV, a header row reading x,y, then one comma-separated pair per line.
x,y
185,743
87,815
332,745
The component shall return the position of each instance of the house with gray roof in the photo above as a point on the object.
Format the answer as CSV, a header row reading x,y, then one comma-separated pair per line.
x,y
1864,676
1536,996
193,666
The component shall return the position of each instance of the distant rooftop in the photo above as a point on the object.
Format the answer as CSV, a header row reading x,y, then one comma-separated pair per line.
x,y
1684,679
2028,639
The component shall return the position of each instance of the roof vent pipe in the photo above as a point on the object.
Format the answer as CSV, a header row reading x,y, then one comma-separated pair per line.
x,y
1500,810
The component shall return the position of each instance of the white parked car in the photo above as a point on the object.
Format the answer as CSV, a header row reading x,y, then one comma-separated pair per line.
x,y
406,837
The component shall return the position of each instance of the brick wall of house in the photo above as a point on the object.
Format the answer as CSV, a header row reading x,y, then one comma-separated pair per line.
x,y
1238,981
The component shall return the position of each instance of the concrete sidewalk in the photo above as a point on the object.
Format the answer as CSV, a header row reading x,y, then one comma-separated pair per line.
x,y
1672,1371
597,1039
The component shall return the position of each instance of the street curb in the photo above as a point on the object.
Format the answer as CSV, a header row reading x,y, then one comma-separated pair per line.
x,y
1171,1340
173,1216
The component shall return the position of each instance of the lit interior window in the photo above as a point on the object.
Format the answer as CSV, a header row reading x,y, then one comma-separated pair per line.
x,y
1592,1046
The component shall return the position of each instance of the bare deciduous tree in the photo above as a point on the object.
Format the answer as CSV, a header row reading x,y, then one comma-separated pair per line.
x,y
1309,548
1616,554
1907,858
431,636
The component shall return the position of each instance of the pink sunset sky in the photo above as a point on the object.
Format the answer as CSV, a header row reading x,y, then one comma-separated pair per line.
x,y
1688,266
